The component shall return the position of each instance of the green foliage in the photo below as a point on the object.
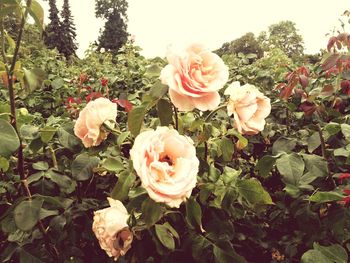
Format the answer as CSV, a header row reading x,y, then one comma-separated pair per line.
x,y
283,35
278,196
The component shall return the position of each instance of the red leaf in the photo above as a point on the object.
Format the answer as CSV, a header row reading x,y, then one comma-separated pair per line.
x,y
344,176
93,95
304,81
104,82
331,61
125,104
308,108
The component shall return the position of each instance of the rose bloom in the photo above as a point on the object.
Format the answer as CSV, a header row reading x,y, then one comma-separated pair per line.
x,y
111,229
167,164
249,107
91,118
194,77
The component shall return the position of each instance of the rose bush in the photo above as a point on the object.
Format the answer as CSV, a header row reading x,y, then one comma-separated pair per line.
x,y
183,186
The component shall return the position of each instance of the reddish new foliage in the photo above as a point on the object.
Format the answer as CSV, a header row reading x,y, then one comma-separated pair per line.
x,y
124,103
104,82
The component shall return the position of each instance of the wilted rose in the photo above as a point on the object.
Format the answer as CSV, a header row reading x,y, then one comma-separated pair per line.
x,y
249,107
111,229
167,164
194,77
91,118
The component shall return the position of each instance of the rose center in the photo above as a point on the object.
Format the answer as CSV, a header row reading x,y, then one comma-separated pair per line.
x,y
166,159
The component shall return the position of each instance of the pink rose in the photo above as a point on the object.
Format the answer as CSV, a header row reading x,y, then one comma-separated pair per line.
x,y
91,118
167,164
194,77
249,107
111,229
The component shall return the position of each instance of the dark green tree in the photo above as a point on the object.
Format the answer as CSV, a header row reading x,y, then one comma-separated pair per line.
x,y
68,45
53,33
283,35
114,34
246,44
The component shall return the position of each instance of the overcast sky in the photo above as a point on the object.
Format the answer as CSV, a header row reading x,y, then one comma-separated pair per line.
x,y
158,23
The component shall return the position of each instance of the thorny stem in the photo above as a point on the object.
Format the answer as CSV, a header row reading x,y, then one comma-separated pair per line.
x,y
210,115
53,156
20,163
176,118
323,151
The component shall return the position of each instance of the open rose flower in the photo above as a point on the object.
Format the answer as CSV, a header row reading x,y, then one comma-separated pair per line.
x,y
167,164
91,118
111,229
249,107
194,77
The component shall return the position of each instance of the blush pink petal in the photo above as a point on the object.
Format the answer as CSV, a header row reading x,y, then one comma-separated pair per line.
x,y
195,73
182,102
208,102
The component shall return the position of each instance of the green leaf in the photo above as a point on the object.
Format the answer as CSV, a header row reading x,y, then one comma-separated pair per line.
x,y
57,83
345,129
316,165
165,236
123,185
283,145
227,255
313,256
41,166
227,149
253,192
33,79
135,119
27,214
44,213
7,10
194,214
82,166
153,71
64,182
165,112
47,133
37,12
4,164
291,167
9,142
332,128
66,137
324,197
26,257
151,212
335,253
158,90
113,164
199,244
313,142
265,164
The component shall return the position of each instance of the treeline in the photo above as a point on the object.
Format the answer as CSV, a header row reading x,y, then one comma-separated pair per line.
x,y
60,33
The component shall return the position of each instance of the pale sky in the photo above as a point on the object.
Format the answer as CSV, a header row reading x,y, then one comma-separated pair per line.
x,y
158,23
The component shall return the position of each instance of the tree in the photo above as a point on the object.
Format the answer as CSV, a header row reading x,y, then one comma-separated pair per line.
x,y
284,36
53,33
114,35
246,44
68,45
